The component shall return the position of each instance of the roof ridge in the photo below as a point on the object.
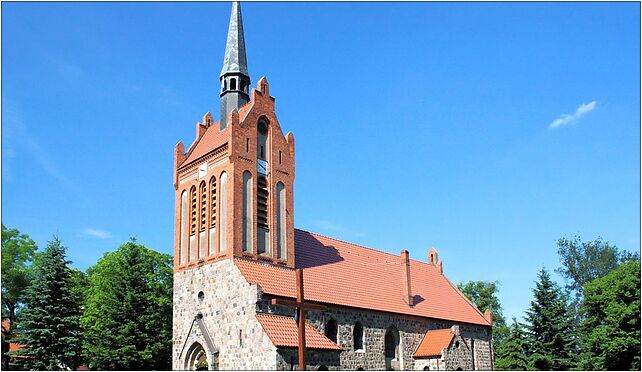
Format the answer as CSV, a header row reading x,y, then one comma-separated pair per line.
x,y
467,300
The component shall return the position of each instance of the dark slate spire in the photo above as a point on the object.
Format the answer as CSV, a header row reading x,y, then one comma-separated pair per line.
x,y
235,60
235,80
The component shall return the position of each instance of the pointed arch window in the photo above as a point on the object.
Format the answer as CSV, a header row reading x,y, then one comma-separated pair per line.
x,y
331,330
391,347
357,336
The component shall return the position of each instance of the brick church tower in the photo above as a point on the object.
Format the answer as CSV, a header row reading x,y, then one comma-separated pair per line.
x,y
234,185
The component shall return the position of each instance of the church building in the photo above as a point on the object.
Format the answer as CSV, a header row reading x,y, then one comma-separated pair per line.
x,y
236,249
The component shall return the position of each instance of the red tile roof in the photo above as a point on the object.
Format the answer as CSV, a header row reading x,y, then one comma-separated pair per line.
x,y
212,139
282,331
340,273
434,342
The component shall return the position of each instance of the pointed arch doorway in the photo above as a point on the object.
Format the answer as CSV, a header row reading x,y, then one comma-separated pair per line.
x,y
197,359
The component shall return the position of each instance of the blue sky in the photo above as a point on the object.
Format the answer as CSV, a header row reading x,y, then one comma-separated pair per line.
x,y
486,130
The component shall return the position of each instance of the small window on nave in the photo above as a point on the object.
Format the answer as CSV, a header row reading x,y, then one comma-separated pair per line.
x,y
391,343
331,330
357,336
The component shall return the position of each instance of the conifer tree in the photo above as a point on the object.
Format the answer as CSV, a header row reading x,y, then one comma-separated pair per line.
x,y
552,342
128,311
50,323
511,352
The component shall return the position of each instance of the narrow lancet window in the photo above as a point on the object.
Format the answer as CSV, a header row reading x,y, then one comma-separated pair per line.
x,y
183,228
247,211
212,234
357,336
263,237
280,221
222,226
202,241
203,193
193,219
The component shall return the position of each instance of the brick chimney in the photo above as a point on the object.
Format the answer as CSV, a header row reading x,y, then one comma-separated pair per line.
x,y
405,277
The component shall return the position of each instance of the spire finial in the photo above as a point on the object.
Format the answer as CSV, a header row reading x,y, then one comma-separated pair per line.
x,y
235,80
235,59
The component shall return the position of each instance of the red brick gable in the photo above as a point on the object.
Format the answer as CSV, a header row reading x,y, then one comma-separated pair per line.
x,y
341,273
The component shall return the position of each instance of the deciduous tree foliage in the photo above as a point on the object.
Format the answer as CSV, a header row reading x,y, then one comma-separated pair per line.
x,y
17,253
50,322
611,323
128,312
583,262
511,353
484,295
550,327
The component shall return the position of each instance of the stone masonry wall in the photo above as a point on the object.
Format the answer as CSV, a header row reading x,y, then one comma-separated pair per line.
x,y
228,306
411,332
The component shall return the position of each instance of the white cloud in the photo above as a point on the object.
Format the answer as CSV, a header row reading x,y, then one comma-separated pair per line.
x,y
566,119
96,233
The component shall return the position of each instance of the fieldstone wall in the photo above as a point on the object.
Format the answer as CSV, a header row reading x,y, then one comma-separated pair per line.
x,y
375,324
458,355
288,359
228,308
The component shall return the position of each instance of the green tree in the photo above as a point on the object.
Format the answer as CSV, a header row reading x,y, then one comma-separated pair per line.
x,y
550,327
611,324
17,253
128,312
583,262
484,295
50,322
511,354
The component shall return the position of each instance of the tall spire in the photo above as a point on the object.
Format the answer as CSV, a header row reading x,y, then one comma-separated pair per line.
x,y
235,60
235,80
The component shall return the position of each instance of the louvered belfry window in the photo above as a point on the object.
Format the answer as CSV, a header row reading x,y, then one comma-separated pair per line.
x,y
192,230
203,192
262,203
213,202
